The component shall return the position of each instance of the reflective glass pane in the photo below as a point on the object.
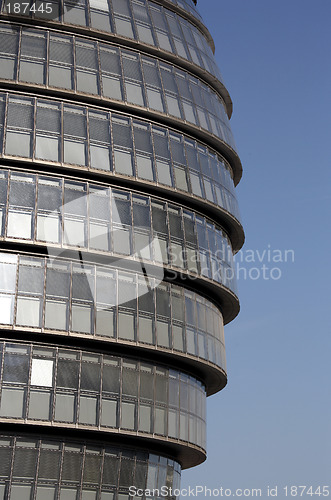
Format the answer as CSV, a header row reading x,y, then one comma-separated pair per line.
x,y
12,403
18,144
47,148
109,412
64,407
42,372
60,77
28,311
56,315
39,405
48,228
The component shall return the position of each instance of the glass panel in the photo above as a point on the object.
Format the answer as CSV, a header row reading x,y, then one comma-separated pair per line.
x,y
87,82
87,410
109,411
60,77
81,320
64,407
128,410
105,323
126,326
160,421
145,168
146,330
164,172
12,401
7,68
28,311
47,148
100,157
20,492
74,232
18,144
134,93
121,241
31,72
145,413
45,493
56,315
111,87
48,228
74,152
155,99
39,405
6,309
42,372
123,162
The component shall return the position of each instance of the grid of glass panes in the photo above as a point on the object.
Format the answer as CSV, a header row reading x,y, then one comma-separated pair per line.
x,y
189,6
84,389
113,73
141,20
109,305
68,213
98,140
45,469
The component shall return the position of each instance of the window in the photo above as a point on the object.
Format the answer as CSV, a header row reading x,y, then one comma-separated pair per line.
x,y
81,320
105,323
128,416
39,405
145,168
6,309
87,82
74,152
56,313
60,76
47,148
42,372
100,157
123,162
109,413
145,413
87,410
18,144
134,93
12,401
28,311
64,408
48,228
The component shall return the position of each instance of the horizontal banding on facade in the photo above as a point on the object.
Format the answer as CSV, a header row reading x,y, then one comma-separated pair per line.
x,y
74,389
104,304
156,27
114,223
37,464
114,144
95,68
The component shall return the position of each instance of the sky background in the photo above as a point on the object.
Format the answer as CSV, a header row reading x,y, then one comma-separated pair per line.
x,y
271,425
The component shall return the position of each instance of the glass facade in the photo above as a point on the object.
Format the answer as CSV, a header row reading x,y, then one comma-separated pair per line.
x,y
60,296
118,226
39,466
118,145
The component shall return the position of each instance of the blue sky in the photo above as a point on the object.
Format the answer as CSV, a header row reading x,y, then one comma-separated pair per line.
x,y
271,426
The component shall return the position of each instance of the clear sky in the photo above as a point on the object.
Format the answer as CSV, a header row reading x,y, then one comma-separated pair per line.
x,y
271,425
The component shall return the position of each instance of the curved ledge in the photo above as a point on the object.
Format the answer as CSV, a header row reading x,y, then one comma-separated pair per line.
x,y
188,455
158,118
226,219
211,375
93,34
225,299
190,17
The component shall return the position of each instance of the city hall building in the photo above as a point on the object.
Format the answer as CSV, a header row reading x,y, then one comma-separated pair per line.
x,y
118,225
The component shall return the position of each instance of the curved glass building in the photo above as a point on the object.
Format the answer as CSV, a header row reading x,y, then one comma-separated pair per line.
x,y
118,226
